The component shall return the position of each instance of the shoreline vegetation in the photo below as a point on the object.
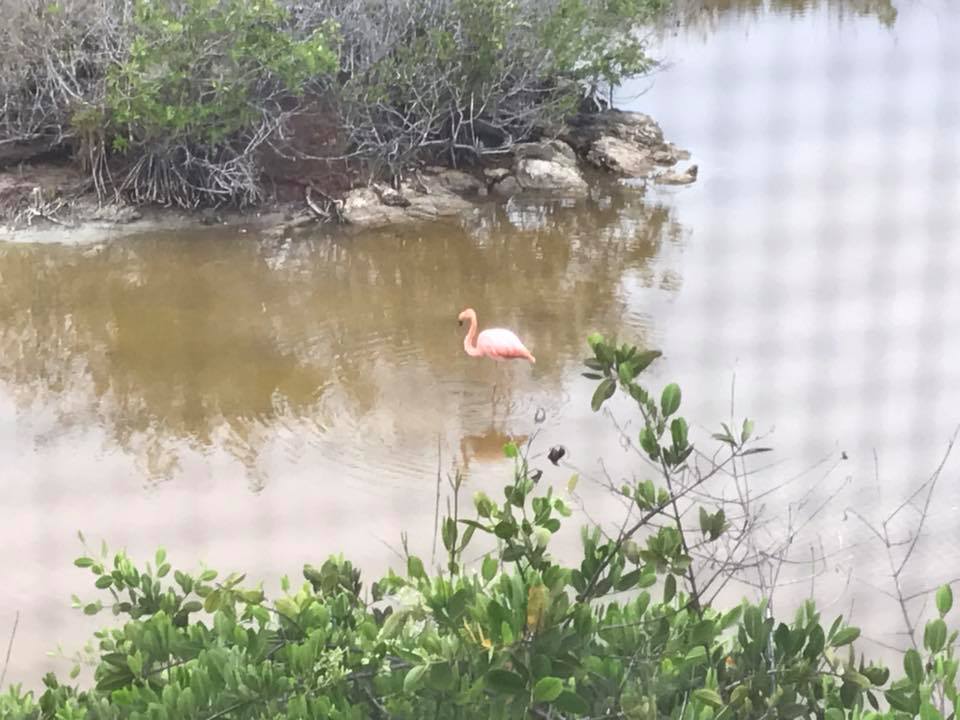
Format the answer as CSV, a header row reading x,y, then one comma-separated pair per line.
x,y
494,626
323,109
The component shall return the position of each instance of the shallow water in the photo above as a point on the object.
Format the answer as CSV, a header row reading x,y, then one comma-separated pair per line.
x,y
259,404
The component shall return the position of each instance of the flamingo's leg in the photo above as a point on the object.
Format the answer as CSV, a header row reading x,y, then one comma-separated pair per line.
x,y
498,384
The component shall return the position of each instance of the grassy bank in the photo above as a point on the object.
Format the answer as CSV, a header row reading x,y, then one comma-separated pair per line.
x,y
195,102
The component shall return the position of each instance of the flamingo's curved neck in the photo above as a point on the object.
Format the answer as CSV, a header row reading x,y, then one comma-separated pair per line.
x,y
470,341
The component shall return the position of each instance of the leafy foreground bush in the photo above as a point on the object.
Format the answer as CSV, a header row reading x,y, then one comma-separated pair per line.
x,y
522,636
175,101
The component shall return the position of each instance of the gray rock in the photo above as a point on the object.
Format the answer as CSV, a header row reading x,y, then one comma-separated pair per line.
x,y
364,208
626,143
585,129
495,175
537,174
663,157
621,157
550,165
553,150
455,181
678,178
389,196
507,187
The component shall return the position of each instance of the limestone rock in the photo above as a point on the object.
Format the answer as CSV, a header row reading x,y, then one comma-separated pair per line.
x,y
678,178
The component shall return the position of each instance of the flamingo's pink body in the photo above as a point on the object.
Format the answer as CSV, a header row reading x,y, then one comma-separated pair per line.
x,y
495,343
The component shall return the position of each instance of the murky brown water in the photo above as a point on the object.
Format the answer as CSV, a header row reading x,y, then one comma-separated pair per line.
x,y
258,404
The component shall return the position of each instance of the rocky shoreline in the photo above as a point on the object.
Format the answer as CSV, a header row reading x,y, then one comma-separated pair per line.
x,y
625,145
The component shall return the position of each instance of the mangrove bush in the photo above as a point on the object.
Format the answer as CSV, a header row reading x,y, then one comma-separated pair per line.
x,y
176,102
628,630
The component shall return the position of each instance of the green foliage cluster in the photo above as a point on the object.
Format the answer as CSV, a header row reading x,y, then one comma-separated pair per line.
x,y
198,72
469,77
622,633
170,101
597,43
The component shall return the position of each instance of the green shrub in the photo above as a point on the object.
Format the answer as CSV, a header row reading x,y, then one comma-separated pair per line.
x,y
169,101
203,85
463,79
522,635
200,75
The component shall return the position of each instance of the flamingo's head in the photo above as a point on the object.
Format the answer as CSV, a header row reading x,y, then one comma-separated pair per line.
x,y
469,314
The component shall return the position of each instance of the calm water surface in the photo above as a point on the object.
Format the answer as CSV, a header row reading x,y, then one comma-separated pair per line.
x,y
259,404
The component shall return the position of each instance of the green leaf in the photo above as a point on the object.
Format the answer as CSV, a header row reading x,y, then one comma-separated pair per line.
x,y
647,578
83,562
815,643
135,663
505,530
547,689
541,537
695,656
781,639
670,400
929,712
510,450
747,431
944,600
449,533
603,393
678,433
628,581
489,568
669,588
878,675
709,697
705,520
703,632
474,525
212,602
643,360
648,441
855,678
845,637
903,700
935,635
411,680
569,702
104,581
505,681
441,677
415,568
913,666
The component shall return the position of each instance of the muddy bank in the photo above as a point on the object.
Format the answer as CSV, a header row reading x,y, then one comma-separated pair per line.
x,y
53,196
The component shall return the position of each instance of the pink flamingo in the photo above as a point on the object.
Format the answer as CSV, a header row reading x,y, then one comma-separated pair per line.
x,y
494,343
